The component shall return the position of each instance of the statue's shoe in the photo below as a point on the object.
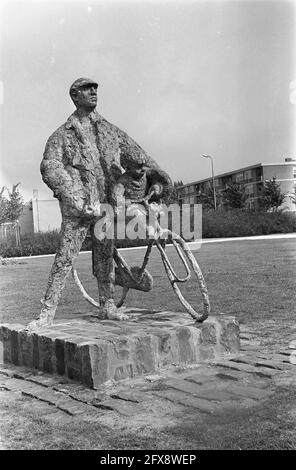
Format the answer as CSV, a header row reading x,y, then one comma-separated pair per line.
x,y
45,318
39,323
117,315
111,312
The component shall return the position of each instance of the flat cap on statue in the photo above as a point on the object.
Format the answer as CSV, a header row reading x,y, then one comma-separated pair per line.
x,y
81,82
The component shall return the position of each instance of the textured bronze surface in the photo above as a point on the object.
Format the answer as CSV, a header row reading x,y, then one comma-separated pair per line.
x,y
83,165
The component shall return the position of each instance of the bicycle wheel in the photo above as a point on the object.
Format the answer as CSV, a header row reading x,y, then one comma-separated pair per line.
x,y
179,242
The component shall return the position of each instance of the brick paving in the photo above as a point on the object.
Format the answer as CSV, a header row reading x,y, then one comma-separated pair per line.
x,y
241,380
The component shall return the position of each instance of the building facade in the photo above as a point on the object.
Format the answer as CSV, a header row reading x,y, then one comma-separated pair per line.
x,y
40,215
44,215
252,178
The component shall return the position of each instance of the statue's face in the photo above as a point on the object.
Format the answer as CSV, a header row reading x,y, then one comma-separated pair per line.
x,y
86,97
137,171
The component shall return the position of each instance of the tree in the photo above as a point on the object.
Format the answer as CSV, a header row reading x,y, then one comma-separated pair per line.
x,y
292,196
206,198
234,196
3,206
11,207
272,197
173,195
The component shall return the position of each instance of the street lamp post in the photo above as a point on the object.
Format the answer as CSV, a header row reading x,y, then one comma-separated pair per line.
x,y
213,178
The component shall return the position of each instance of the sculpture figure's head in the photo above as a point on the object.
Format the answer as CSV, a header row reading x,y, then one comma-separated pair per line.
x,y
83,93
135,166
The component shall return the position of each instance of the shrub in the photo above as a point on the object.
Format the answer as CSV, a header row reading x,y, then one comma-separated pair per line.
x,y
45,243
241,223
31,244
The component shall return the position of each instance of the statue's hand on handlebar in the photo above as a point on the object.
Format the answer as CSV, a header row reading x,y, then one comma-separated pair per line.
x,y
156,190
91,210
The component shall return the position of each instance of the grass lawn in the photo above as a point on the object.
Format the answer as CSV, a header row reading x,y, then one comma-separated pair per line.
x,y
253,280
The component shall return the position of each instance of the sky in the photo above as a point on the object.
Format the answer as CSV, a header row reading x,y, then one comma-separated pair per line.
x,y
182,78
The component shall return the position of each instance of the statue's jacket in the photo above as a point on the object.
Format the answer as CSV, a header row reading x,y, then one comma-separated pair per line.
x,y
80,171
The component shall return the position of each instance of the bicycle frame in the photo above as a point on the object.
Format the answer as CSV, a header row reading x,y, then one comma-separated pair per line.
x,y
139,278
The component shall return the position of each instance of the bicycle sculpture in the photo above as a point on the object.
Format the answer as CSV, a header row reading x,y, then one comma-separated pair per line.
x,y
88,161
139,278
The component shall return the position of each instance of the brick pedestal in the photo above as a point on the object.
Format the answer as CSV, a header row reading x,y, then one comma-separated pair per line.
x,y
92,351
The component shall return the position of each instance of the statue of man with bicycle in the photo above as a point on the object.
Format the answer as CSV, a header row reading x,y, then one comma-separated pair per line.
x,y
83,164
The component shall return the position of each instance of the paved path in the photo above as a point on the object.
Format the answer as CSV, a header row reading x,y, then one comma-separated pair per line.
x,y
238,381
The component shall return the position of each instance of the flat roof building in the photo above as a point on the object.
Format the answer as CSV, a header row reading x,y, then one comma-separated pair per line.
x,y
252,177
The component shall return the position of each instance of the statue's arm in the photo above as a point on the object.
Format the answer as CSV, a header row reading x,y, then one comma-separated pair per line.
x,y
55,175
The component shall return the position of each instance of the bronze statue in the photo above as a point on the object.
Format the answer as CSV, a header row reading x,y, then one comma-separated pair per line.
x,y
83,165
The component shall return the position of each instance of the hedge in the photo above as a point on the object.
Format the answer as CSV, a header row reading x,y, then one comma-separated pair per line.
x,y
241,223
216,224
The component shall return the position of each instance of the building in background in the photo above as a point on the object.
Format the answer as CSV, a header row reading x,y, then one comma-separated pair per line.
x,y
252,177
43,215
40,215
